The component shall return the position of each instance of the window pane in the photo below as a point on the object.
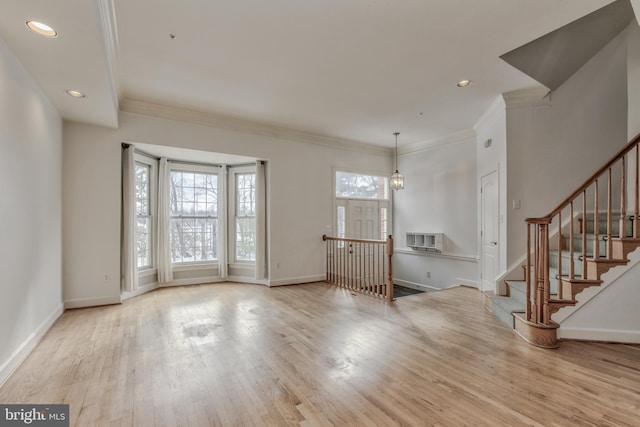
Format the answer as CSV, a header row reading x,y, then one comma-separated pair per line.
x,y
144,241
359,186
142,189
245,243
245,239
246,194
383,223
194,240
143,212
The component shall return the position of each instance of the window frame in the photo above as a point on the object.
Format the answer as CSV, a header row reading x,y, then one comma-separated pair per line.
x,y
232,217
153,209
343,202
177,166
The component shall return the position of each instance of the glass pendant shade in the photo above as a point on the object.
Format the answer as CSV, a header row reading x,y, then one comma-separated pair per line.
x,y
397,181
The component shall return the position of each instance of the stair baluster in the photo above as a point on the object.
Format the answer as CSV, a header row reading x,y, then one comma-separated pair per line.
x,y
541,300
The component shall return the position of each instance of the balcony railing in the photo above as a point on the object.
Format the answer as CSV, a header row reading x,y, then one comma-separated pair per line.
x,y
361,265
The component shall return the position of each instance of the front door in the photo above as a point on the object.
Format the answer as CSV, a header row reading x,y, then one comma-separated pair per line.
x,y
363,219
489,231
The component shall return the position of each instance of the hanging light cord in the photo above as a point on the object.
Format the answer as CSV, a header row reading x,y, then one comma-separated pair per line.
x,y
396,134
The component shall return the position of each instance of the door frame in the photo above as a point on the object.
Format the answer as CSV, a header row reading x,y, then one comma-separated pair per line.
x,y
496,220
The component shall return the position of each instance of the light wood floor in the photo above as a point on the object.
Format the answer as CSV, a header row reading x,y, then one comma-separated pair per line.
x,y
242,355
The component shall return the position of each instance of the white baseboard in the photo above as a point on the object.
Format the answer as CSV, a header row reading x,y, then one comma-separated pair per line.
x,y
468,283
21,353
91,302
297,280
608,335
192,281
416,286
141,290
249,280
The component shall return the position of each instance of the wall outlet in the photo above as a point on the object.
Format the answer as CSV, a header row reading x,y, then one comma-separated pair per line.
x,y
107,277
428,275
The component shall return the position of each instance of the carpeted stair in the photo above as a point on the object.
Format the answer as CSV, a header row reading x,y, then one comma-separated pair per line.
x,y
503,307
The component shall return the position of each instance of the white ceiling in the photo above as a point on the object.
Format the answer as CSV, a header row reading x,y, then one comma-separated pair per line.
x,y
354,70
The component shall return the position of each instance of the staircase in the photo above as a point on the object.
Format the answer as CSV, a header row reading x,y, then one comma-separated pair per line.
x,y
570,249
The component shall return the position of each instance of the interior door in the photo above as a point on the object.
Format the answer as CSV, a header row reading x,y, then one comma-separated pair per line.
x,y
489,231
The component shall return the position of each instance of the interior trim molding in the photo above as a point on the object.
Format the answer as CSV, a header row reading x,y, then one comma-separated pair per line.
x,y
23,351
592,334
297,280
455,257
461,136
141,290
107,15
237,124
91,302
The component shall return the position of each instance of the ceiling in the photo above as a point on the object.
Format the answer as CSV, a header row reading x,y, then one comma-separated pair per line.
x,y
350,70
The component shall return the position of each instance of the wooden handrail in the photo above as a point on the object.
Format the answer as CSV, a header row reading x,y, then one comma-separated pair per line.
x,y
591,252
343,239
624,150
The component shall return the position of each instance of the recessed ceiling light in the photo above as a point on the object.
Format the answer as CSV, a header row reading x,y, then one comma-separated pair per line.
x,y
75,93
464,83
42,29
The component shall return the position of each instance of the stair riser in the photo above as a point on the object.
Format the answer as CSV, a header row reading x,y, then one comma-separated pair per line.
x,y
577,246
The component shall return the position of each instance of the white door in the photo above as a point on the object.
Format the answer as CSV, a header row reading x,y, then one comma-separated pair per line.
x,y
363,220
489,231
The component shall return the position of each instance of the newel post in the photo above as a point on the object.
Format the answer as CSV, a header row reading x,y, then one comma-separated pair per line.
x,y
390,275
538,311
542,282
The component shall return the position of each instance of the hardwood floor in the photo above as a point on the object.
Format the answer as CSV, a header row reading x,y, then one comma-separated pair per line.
x,y
316,355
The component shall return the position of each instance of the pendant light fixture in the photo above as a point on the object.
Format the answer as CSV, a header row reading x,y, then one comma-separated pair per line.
x,y
397,180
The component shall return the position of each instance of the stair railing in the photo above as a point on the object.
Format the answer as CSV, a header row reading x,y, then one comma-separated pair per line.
x,y
590,258
361,265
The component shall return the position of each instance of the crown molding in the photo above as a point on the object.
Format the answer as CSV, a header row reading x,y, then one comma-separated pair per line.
x,y
107,19
496,106
161,111
415,147
526,98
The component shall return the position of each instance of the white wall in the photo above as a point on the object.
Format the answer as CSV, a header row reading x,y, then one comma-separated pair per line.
x,y
633,78
613,315
439,197
553,149
30,213
493,126
299,202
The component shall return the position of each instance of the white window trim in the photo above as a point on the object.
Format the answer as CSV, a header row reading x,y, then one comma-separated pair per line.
x,y
197,168
153,207
231,218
